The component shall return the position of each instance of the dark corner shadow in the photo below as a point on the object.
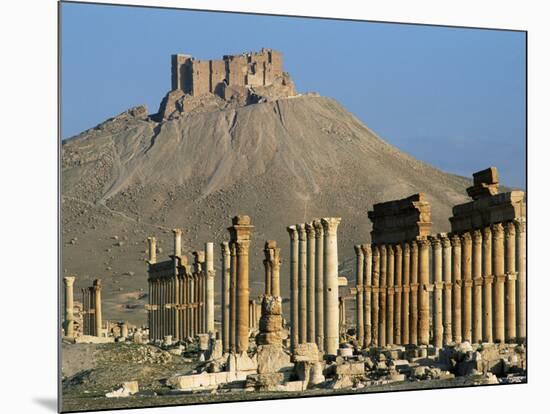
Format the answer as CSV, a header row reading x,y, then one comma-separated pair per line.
x,y
47,402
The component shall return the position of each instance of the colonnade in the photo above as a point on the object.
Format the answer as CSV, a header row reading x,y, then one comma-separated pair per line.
x,y
444,288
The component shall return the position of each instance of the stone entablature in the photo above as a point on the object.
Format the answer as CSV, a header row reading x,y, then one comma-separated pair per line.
x,y
488,210
400,220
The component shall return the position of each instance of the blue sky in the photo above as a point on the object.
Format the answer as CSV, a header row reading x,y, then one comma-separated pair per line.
x,y
452,97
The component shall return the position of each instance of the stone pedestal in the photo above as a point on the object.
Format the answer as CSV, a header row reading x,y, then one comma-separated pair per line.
x,y
330,226
68,282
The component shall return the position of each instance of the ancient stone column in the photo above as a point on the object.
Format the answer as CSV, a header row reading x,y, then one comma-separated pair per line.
x,y
302,283
310,233
226,295
477,322
487,285
413,324
448,289
97,302
398,268
233,297
457,288
267,271
294,307
424,295
521,257
152,249
341,312
359,294
437,263
405,314
367,295
330,227
511,277
466,287
500,278
375,294
383,295
177,242
240,232
210,274
319,285
390,278
276,271
68,282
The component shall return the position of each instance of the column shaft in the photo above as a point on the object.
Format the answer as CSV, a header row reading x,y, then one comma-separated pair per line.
x,y
477,271
226,295
310,233
294,290
500,277
359,283
302,280
367,295
424,295
405,336
457,288
521,256
511,276
319,285
413,324
68,282
437,263
487,251
466,287
375,294
330,226
398,269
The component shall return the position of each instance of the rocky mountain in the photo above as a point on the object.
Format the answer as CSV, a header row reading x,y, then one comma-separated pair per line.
x,y
281,161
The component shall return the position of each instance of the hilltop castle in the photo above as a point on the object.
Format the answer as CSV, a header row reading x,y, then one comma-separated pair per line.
x,y
197,77
235,80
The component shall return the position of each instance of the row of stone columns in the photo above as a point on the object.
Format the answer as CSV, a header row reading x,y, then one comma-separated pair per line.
x,y
92,309
314,284
181,300
477,278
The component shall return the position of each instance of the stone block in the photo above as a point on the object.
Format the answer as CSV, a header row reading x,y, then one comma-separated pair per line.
x,y
271,323
126,389
292,386
307,352
269,338
345,352
204,342
272,358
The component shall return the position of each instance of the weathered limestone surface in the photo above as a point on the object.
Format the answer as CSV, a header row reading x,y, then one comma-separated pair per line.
x,y
311,325
68,282
359,308
294,287
319,284
226,295
330,227
302,284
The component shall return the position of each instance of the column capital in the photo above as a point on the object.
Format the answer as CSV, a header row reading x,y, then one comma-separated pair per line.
x,y
242,247
69,280
477,236
466,238
435,241
455,240
390,249
232,248
293,232
406,249
225,248
366,248
97,284
301,231
414,246
310,231
241,228
445,241
330,224
382,249
318,228
486,231
510,230
423,243
375,251
398,250
177,232
498,230
520,224
358,250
